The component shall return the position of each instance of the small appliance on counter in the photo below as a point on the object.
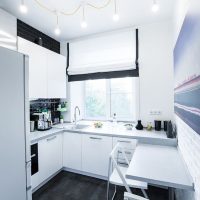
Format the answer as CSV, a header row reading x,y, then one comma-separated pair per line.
x,y
42,120
157,124
171,130
139,125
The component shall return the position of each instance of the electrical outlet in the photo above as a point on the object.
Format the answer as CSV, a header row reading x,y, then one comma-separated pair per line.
x,y
155,112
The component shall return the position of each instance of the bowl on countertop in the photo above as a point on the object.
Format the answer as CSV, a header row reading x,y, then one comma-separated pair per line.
x,y
129,127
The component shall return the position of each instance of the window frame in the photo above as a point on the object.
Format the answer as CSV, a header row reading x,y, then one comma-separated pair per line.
x,y
108,116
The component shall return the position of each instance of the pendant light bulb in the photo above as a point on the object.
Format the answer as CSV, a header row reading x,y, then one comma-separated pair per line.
x,y
57,30
116,17
155,6
84,24
23,8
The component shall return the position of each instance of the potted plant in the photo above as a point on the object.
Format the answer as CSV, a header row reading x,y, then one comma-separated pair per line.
x,y
61,119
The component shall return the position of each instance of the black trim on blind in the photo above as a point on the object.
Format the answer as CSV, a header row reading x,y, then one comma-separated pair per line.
x,y
108,75
67,58
137,49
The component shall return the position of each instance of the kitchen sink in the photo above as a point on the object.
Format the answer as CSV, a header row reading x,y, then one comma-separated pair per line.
x,y
80,126
76,127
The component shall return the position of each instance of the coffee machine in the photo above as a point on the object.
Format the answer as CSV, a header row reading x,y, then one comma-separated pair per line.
x,y
42,120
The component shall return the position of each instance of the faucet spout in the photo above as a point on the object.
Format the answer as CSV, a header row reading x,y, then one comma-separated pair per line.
x,y
75,116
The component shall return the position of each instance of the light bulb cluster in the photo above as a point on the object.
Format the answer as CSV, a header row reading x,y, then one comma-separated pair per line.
x,y
23,9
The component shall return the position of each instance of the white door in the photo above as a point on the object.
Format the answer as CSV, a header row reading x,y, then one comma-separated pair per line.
x,y
50,156
37,67
95,154
56,75
72,143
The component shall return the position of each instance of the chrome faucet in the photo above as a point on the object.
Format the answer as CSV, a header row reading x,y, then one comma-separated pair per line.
x,y
75,117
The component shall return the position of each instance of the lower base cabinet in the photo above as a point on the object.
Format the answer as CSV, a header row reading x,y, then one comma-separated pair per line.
x,y
50,156
79,152
95,154
72,147
50,159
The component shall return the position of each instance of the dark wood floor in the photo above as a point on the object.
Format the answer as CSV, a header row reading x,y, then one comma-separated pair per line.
x,y
70,186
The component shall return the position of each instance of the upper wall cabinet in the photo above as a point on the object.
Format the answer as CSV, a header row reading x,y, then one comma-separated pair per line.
x,y
56,75
37,68
47,71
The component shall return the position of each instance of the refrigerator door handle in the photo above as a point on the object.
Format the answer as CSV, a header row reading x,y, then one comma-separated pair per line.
x,y
28,175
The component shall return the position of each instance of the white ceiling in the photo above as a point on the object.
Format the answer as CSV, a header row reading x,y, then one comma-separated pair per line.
x,y
132,13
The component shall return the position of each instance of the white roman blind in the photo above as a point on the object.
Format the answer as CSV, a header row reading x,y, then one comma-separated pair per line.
x,y
114,51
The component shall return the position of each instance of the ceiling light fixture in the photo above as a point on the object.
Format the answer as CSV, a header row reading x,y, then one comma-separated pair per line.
x,y
82,5
57,30
115,16
83,23
155,6
23,8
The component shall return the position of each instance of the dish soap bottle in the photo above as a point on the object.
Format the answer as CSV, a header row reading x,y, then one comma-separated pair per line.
x,y
114,119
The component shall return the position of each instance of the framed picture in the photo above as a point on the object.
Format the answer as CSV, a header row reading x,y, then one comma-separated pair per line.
x,y
187,69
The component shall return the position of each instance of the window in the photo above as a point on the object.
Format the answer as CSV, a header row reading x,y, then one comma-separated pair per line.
x,y
95,99
103,98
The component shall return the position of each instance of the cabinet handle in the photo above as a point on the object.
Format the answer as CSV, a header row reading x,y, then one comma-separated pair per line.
x,y
95,138
123,141
51,138
32,156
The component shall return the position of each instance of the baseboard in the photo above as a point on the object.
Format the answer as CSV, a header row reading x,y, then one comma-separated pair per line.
x,y
84,173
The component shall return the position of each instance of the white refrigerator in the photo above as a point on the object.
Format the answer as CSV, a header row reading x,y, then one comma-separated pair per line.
x,y
15,161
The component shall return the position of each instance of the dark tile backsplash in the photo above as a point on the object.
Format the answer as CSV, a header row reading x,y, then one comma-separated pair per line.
x,y
50,104
29,33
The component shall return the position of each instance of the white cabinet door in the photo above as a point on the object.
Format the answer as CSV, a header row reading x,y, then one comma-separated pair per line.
x,y
35,180
95,154
37,67
72,143
56,75
50,156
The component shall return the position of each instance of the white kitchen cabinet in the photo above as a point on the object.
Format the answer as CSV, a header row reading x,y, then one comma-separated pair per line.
x,y
37,68
95,154
47,71
56,75
35,180
50,156
72,143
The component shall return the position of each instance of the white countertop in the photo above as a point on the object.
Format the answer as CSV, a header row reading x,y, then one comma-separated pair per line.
x,y
160,165
108,129
39,135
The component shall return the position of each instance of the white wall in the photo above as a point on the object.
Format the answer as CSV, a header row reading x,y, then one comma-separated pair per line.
x,y
76,98
179,15
8,30
156,71
188,140
75,93
189,146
